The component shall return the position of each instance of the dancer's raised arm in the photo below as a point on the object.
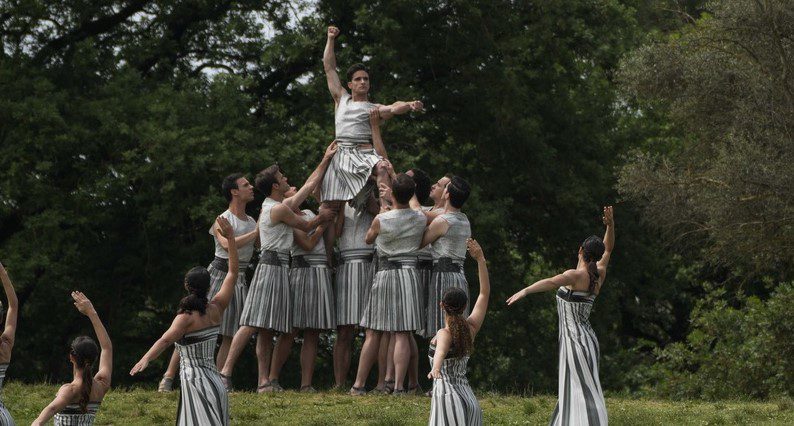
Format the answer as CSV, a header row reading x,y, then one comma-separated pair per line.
x,y
477,316
398,108
9,332
329,64
224,295
609,240
313,180
105,371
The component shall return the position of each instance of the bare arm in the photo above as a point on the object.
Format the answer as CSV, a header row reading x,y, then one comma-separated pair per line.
x,y
105,371
66,394
477,316
306,241
10,330
314,179
282,213
437,228
339,224
609,239
174,333
241,240
377,139
399,108
373,231
566,278
224,295
443,343
329,65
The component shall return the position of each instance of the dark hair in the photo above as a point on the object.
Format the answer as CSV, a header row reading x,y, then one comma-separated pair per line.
x,y
85,353
356,67
423,185
198,284
592,250
266,179
459,191
455,301
229,183
403,188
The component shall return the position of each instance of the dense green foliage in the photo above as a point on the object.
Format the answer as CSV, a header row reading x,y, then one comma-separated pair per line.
x,y
118,119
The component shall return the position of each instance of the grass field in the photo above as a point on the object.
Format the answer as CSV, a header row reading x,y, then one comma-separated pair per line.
x,y
147,407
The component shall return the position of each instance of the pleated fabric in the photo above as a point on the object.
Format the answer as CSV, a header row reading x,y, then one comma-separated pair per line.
x,y
348,172
230,322
269,302
394,300
312,294
453,402
5,416
580,399
439,283
204,400
353,282
424,266
72,415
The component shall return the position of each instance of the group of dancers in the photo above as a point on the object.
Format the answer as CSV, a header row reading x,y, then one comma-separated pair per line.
x,y
372,257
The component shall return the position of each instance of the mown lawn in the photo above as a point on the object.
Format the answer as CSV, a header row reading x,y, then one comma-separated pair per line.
x,y
147,407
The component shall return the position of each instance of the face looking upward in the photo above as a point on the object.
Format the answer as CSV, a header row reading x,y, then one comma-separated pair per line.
x,y
245,191
359,85
438,189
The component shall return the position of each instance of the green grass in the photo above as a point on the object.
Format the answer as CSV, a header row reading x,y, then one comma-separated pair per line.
x,y
146,407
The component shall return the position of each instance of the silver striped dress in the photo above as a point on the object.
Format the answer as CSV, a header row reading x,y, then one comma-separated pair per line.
x,y
5,416
453,402
354,273
204,400
311,286
449,252
218,268
268,304
580,400
395,301
350,168
72,415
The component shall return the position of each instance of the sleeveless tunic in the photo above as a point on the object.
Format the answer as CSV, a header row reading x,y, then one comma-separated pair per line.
x,y
354,273
72,415
449,253
203,399
453,402
311,286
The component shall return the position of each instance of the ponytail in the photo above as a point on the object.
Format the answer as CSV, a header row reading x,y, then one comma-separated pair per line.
x,y
454,302
88,382
85,353
197,281
592,270
193,302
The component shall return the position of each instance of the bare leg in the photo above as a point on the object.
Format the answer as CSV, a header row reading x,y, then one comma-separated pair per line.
x,y
280,354
402,356
342,353
413,365
238,344
383,351
264,353
369,354
390,360
173,365
223,351
308,356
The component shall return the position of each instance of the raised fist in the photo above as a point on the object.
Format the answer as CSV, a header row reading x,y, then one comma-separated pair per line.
x,y
333,32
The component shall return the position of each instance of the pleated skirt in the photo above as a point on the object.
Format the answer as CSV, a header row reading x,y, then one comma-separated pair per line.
x,y
454,403
312,298
352,286
394,302
348,172
203,399
230,322
5,416
268,304
439,283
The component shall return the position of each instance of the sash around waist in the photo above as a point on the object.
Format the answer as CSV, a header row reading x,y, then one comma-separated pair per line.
x,y
386,263
309,261
222,264
272,257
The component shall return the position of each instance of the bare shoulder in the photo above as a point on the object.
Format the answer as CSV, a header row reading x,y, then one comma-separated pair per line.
x,y
69,390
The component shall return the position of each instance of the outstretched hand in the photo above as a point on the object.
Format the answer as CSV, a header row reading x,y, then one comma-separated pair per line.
x,y
416,105
475,251
516,297
140,366
225,227
333,32
82,303
608,218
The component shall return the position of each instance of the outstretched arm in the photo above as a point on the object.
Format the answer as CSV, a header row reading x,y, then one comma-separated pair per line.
x,y
329,64
224,295
546,284
174,333
314,179
399,108
609,238
66,394
477,316
105,371
10,330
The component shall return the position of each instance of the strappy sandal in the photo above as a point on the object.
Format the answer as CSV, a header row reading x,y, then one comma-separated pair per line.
x,y
354,391
389,389
227,382
262,388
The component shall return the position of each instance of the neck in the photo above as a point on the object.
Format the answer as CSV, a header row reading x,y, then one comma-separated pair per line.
x,y
237,207
448,207
77,373
276,196
359,97
438,204
398,206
